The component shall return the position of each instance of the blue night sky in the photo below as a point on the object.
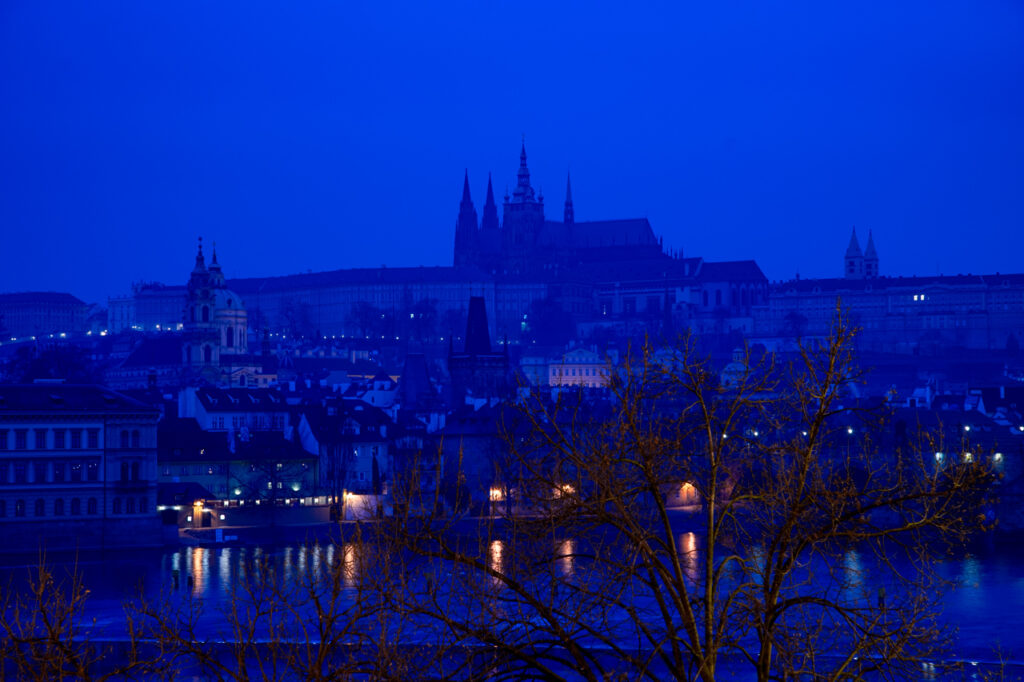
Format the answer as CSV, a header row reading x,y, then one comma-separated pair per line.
x,y
314,136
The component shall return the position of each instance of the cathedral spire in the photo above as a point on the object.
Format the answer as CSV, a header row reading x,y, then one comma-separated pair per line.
x,y
523,193
853,250
490,218
466,227
570,217
869,251
870,257
465,190
853,263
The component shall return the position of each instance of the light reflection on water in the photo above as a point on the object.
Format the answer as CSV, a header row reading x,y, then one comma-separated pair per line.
x,y
987,607
688,552
496,558
565,557
351,554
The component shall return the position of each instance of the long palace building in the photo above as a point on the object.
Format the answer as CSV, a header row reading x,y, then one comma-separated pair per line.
x,y
614,272
605,269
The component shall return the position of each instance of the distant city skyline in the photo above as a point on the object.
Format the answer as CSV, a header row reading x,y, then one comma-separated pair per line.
x,y
323,137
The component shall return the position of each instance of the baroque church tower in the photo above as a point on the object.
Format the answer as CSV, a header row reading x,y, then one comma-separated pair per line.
x,y
216,322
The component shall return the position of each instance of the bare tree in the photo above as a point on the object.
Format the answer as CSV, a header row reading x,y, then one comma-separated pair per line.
x,y
45,633
811,555
328,618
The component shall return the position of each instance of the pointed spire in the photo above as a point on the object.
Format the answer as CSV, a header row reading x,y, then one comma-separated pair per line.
x,y
870,257
465,227
523,192
213,261
465,189
490,218
570,216
870,252
853,250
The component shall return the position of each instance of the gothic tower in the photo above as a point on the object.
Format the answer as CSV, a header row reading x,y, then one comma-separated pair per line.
x,y
870,258
853,263
523,221
490,219
466,237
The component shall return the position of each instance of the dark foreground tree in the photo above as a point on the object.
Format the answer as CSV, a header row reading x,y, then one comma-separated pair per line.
x,y
773,525
45,634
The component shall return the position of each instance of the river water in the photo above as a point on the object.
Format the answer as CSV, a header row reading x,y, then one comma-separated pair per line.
x,y
986,606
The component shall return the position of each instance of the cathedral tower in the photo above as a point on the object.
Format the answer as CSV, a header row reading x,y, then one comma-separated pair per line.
x,y
870,258
490,219
523,220
853,263
466,237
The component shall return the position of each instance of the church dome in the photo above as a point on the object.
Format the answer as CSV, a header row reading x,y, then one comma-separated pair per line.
x,y
225,299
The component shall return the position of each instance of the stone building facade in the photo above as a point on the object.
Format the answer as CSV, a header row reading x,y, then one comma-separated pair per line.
x,y
77,469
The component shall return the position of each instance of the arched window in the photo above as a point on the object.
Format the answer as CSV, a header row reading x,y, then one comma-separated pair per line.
x,y
129,505
92,506
117,505
124,439
58,507
231,337
143,505
206,313
19,507
40,507
76,506
207,354
136,439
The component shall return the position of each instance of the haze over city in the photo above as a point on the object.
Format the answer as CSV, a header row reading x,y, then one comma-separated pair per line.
x,y
336,135
511,340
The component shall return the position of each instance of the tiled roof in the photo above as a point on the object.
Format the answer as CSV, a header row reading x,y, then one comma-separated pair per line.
x,y
731,271
39,298
241,399
156,351
359,276
65,398
182,440
913,282
657,269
